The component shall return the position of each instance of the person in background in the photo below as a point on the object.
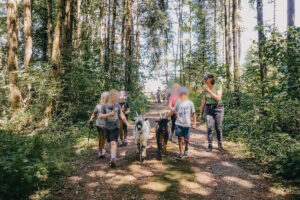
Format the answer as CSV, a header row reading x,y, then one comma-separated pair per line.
x,y
214,109
172,101
184,108
169,93
126,110
100,124
158,95
111,114
164,95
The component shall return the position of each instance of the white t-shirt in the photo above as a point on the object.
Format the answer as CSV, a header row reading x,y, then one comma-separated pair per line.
x,y
184,109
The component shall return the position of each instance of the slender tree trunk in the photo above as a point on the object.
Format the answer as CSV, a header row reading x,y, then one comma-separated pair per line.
x,y
100,31
55,59
50,28
107,42
112,44
137,42
27,33
274,15
190,46
227,21
261,39
12,53
215,33
292,65
239,31
129,45
79,25
235,51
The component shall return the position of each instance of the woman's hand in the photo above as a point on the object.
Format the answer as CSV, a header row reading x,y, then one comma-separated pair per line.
x,y
206,89
200,116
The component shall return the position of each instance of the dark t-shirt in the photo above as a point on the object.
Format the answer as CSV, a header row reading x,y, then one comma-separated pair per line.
x,y
124,106
114,121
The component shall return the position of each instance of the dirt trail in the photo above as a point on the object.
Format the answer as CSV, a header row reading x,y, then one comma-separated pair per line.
x,y
201,175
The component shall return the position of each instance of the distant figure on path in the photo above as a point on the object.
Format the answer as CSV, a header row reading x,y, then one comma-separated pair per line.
x,y
169,93
164,95
158,95
214,109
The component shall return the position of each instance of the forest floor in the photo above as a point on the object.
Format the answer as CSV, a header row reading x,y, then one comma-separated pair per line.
x,y
201,175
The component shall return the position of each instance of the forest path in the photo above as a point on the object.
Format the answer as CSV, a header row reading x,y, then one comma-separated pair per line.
x,y
201,175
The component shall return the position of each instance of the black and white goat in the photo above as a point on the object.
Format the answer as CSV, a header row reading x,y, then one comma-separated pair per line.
x,y
162,136
141,134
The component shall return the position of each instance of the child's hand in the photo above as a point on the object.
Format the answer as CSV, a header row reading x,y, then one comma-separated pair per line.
x,y
194,125
112,113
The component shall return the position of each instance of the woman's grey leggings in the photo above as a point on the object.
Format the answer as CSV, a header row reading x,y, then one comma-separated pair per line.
x,y
214,116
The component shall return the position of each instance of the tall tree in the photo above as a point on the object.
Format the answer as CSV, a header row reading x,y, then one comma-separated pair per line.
x,y
107,39
101,14
112,43
12,53
261,39
79,24
215,33
292,65
235,51
27,32
227,23
49,28
129,45
137,41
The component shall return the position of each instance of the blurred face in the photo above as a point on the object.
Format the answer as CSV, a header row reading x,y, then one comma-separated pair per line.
x,y
184,96
176,87
208,81
114,99
122,99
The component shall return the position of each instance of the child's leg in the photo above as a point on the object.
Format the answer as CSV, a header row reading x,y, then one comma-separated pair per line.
x,y
121,130
102,140
186,140
180,143
113,150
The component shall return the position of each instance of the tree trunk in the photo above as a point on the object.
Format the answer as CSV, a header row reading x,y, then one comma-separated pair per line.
x,y
228,42
235,51
107,41
27,33
12,53
190,45
129,46
215,33
261,39
112,44
274,15
137,42
100,31
79,25
50,28
55,59
292,65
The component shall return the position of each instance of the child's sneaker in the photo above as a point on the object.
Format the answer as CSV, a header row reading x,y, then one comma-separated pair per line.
x,y
186,152
100,154
179,156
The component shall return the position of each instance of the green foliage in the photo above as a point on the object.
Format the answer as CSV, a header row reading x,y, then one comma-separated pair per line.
x,y
31,163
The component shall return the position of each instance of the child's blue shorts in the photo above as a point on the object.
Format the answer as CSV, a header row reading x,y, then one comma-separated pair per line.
x,y
182,131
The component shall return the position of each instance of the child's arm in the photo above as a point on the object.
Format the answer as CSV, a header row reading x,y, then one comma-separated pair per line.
x,y
202,107
194,120
107,115
122,116
170,113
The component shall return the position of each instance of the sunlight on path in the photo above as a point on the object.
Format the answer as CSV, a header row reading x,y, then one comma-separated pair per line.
x,y
201,175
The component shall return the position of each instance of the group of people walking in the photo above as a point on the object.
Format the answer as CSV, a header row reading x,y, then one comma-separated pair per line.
x,y
113,109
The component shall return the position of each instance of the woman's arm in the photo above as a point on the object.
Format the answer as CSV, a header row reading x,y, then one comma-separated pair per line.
x,y
93,115
217,96
170,105
202,107
127,111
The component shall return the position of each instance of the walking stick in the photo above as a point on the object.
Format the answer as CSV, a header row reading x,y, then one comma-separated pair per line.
x,y
91,127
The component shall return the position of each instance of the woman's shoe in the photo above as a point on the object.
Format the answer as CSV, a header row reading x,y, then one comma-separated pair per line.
x,y
209,148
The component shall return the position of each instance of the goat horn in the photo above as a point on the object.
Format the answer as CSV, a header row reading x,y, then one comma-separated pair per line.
x,y
160,115
137,114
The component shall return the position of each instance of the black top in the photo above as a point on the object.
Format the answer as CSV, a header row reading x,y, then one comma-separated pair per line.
x,y
124,106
